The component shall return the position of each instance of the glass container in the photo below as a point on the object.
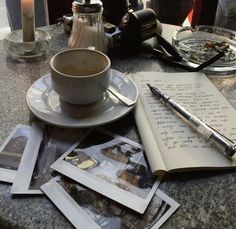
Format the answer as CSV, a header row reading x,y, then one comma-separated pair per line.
x,y
87,30
200,43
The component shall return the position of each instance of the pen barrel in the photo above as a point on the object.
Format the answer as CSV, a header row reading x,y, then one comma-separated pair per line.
x,y
214,138
200,127
223,144
178,109
196,124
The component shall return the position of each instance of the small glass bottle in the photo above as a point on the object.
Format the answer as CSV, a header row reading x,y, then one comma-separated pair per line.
x,y
87,30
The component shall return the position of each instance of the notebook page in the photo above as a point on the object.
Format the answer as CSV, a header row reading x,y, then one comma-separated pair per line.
x,y
180,146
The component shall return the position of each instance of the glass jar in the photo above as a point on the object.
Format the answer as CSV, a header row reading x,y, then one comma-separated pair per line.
x,y
87,30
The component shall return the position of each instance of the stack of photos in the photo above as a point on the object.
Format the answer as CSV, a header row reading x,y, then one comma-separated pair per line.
x,y
86,208
96,178
11,152
46,144
111,165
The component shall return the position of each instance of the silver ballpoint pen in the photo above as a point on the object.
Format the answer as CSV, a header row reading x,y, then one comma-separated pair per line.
x,y
219,141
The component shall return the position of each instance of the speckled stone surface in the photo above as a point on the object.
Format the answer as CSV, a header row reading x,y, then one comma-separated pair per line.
x,y
207,199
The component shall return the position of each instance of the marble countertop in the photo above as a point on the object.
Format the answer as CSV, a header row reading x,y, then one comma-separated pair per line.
x,y
207,199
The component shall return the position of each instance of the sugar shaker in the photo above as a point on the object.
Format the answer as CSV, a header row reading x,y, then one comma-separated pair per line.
x,y
88,30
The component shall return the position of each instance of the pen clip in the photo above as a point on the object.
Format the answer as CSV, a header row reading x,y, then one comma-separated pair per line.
x,y
218,132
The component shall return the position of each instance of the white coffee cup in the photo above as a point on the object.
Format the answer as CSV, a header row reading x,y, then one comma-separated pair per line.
x,y
80,76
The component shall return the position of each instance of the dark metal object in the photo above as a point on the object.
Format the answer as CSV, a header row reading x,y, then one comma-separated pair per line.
x,y
114,10
135,27
138,26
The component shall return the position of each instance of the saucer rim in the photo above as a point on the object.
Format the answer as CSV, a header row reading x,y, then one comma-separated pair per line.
x,y
79,123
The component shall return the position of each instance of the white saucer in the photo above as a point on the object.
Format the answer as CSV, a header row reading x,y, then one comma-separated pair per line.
x,y
44,102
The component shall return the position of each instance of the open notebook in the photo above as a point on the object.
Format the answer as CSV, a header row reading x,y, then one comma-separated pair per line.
x,y
169,143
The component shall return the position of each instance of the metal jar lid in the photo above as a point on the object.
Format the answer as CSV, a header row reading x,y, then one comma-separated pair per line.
x,y
87,6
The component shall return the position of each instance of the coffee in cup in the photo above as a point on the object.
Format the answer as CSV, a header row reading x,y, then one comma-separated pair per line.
x,y
80,76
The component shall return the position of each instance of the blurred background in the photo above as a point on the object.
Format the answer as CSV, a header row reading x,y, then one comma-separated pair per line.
x,y
177,12
4,24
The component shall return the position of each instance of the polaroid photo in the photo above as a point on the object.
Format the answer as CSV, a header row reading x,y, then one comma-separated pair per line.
x,y
11,152
45,146
113,166
85,208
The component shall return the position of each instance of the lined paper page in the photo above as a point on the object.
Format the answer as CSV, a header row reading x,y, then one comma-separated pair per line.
x,y
180,146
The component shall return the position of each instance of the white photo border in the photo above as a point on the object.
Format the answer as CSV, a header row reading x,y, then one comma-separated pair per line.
x,y
26,167
24,175
80,219
67,205
119,195
8,175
